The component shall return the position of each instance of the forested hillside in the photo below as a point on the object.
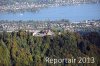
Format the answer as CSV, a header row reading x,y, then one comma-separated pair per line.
x,y
23,49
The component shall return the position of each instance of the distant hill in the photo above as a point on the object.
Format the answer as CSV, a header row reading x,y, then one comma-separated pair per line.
x,y
10,2
27,5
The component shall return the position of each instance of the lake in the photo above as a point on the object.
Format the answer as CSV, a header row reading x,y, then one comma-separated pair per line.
x,y
72,13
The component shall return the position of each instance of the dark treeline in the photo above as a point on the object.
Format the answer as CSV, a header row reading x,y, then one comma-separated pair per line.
x,y
23,49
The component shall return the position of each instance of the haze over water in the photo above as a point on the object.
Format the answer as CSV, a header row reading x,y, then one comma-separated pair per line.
x,y
72,13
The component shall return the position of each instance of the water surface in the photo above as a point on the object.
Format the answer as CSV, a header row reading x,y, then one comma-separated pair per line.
x,y
73,13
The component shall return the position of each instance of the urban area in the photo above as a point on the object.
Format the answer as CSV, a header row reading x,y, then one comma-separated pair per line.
x,y
43,28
